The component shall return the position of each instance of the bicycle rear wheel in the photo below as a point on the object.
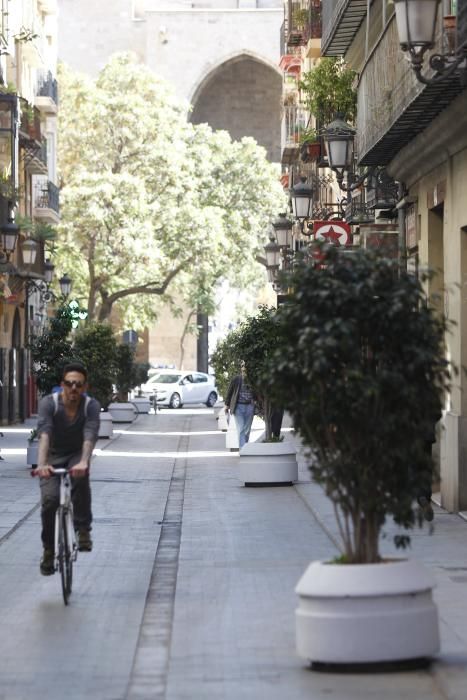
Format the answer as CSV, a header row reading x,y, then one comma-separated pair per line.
x,y
65,559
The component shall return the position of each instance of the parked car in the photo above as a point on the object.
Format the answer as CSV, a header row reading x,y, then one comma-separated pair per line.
x,y
174,388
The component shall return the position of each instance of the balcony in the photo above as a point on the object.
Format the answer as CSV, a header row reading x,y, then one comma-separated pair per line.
x,y
47,94
30,125
294,122
392,106
46,207
303,22
35,159
341,21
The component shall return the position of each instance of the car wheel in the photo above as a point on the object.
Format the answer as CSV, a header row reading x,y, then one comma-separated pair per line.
x,y
175,401
212,398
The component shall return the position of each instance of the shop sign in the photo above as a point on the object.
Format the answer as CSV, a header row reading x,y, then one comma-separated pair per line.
x,y
336,232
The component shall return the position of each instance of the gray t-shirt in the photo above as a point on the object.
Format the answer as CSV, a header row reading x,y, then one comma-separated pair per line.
x,y
67,437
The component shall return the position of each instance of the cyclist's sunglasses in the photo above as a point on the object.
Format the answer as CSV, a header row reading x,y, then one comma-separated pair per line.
x,y
78,385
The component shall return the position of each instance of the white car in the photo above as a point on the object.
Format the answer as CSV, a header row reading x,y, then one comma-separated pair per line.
x,y
174,388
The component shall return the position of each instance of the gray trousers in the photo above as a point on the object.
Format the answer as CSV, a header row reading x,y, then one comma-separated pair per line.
x,y
50,500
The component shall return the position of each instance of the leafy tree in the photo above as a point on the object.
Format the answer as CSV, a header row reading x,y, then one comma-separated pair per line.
x,y
328,89
253,342
95,346
52,350
153,206
361,368
129,374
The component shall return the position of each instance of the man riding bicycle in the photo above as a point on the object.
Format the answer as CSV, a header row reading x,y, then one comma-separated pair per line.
x,y
68,426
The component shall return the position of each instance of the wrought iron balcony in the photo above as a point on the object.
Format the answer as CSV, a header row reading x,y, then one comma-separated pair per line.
x,y
48,87
341,21
46,201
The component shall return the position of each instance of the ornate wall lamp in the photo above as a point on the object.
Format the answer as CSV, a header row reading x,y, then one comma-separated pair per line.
x,y
416,25
301,197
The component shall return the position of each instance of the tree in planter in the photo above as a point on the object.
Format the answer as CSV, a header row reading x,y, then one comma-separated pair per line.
x,y
360,366
52,350
129,374
225,361
253,342
327,90
95,346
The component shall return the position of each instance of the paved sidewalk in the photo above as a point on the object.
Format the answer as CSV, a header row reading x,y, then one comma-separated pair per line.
x,y
189,592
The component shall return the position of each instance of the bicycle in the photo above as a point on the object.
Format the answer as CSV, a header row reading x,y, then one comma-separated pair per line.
x,y
66,548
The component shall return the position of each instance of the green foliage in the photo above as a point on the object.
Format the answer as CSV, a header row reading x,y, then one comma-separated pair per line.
x,y
327,89
139,181
225,361
253,342
95,346
129,374
52,350
361,367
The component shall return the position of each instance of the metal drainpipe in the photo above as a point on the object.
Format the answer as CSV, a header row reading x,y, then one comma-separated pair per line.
x,y
401,224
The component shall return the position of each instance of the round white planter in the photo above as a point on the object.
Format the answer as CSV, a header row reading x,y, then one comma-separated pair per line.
x,y
366,613
122,412
32,451
105,425
141,405
268,463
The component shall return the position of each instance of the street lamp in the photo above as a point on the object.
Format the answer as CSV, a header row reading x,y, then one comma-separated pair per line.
x,y
29,251
416,25
273,255
301,196
65,283
283,231
9,235
339,139
48,271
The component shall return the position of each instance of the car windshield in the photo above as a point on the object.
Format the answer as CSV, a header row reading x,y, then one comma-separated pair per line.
x,y
165,378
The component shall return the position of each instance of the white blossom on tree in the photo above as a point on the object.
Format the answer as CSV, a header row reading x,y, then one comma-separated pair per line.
x,y
152,205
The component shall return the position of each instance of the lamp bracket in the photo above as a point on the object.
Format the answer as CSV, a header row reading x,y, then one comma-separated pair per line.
x,y
444,65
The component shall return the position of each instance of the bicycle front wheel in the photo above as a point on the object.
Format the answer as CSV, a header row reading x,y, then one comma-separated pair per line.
x,y
64,555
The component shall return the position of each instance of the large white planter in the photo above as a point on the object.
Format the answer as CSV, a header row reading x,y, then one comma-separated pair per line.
x,y
32,452
268,463
122,412
105,425
141,405
366,613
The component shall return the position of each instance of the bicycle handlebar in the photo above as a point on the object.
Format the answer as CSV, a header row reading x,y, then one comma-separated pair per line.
x,y
58,471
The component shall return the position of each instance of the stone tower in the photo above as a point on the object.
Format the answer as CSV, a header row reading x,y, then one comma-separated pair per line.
x,y
221,56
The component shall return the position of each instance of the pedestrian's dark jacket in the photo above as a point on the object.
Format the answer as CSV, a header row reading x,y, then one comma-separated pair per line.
x,y
233,391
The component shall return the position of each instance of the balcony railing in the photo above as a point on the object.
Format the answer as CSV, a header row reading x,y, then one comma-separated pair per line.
x,y
392,106
48,87
341,20
293,125
30,125
303,22
46,196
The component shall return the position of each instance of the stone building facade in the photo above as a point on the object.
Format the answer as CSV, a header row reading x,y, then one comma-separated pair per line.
x,y
221,56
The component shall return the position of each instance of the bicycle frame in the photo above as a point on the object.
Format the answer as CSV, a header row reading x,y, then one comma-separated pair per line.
x,y
66,549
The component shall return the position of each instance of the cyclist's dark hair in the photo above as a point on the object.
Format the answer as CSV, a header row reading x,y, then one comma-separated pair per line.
x,y
75,367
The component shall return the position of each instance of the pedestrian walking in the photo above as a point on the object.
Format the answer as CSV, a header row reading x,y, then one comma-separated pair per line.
x,y
240,401
68,427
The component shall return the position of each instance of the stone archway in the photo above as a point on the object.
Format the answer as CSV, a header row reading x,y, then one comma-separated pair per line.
x,y
243,96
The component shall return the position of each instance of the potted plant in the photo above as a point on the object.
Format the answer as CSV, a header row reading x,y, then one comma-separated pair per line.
x,y
310,145
328,89
95,346
269,460
361,368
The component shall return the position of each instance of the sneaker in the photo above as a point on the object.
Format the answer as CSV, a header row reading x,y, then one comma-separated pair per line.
x,y
84,541
426,508
47,565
